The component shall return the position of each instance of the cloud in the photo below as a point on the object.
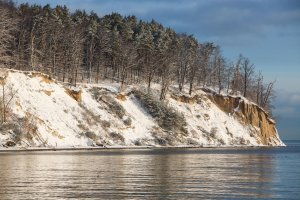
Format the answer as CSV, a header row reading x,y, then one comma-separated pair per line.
x,y
207,18
286,110
216,18
288,97
295,99
287,104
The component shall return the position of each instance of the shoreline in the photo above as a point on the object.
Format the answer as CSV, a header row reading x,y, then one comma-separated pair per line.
x,y
108,148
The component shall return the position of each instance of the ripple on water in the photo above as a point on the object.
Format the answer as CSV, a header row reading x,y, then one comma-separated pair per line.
x,y
141,174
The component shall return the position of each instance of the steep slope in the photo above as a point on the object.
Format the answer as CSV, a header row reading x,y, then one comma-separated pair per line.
x,y
47,113
249,114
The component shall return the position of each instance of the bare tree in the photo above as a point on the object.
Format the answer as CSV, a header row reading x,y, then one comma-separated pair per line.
x,y
77,41
248,71
259,85
194,68
7,27
7,95
206,51
218,69
188,46
127,61
229,76
169,54
269,93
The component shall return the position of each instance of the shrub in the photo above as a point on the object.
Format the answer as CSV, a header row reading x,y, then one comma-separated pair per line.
x,y
105,124
8,126
206,117
127,121
101,95
160,141
203,130
221,141
117,136
96,92
243,141
191,141
142,141
17,135
213,132
228,132
10,143
116,108
137,142
90,135
14,129
167,117
154,106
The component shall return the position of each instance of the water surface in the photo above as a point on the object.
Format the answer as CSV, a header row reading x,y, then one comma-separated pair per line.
x,y
258,173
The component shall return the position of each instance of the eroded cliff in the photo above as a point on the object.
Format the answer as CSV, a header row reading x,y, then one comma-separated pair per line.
x,y
249,113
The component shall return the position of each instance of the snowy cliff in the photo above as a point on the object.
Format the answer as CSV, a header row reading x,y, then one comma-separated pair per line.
x,y
46,113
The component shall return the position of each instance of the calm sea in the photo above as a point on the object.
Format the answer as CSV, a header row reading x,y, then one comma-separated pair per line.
x,y
251,173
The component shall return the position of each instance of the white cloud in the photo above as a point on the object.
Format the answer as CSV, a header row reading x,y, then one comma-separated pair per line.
x,y
295,99
287,104
285,111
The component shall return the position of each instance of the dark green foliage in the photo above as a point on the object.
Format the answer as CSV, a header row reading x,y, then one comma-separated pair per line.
x,y
90,135
153,106
161,141
102,95
116,108
117,136
167,117
138,143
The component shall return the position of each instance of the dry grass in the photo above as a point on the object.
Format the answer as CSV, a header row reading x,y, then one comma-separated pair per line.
x,y
56,134
45,78
18,104
121,97
47,92
74,94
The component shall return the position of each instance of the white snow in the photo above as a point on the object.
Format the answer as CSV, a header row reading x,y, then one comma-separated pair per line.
x,y
142,121
212,125
61,121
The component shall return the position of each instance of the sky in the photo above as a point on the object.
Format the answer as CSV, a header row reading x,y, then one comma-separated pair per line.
x,y
265,31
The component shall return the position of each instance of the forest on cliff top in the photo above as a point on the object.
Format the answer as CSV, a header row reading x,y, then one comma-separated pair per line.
x,y
83,47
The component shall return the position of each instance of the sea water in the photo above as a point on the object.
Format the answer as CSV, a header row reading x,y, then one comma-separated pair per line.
x,y
210,173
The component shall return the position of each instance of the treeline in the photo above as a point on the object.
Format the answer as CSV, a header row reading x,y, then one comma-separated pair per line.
x,y
79,47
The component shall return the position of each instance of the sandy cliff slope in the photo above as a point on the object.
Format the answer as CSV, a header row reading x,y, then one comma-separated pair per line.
x,y
46,113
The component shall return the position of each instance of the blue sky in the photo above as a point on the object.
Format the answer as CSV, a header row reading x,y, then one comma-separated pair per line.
x,y
265,31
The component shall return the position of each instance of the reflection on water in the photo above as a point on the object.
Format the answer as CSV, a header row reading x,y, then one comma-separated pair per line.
x,y
152,174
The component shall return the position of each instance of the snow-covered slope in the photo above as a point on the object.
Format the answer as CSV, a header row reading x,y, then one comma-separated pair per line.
x,y
46,113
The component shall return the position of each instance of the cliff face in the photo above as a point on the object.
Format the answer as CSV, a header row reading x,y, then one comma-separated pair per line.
x,y
47,113
250,114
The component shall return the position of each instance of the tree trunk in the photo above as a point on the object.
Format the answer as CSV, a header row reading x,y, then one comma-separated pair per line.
x,y
191,88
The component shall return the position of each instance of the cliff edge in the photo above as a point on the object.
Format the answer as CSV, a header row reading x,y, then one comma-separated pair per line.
x,y
251,114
